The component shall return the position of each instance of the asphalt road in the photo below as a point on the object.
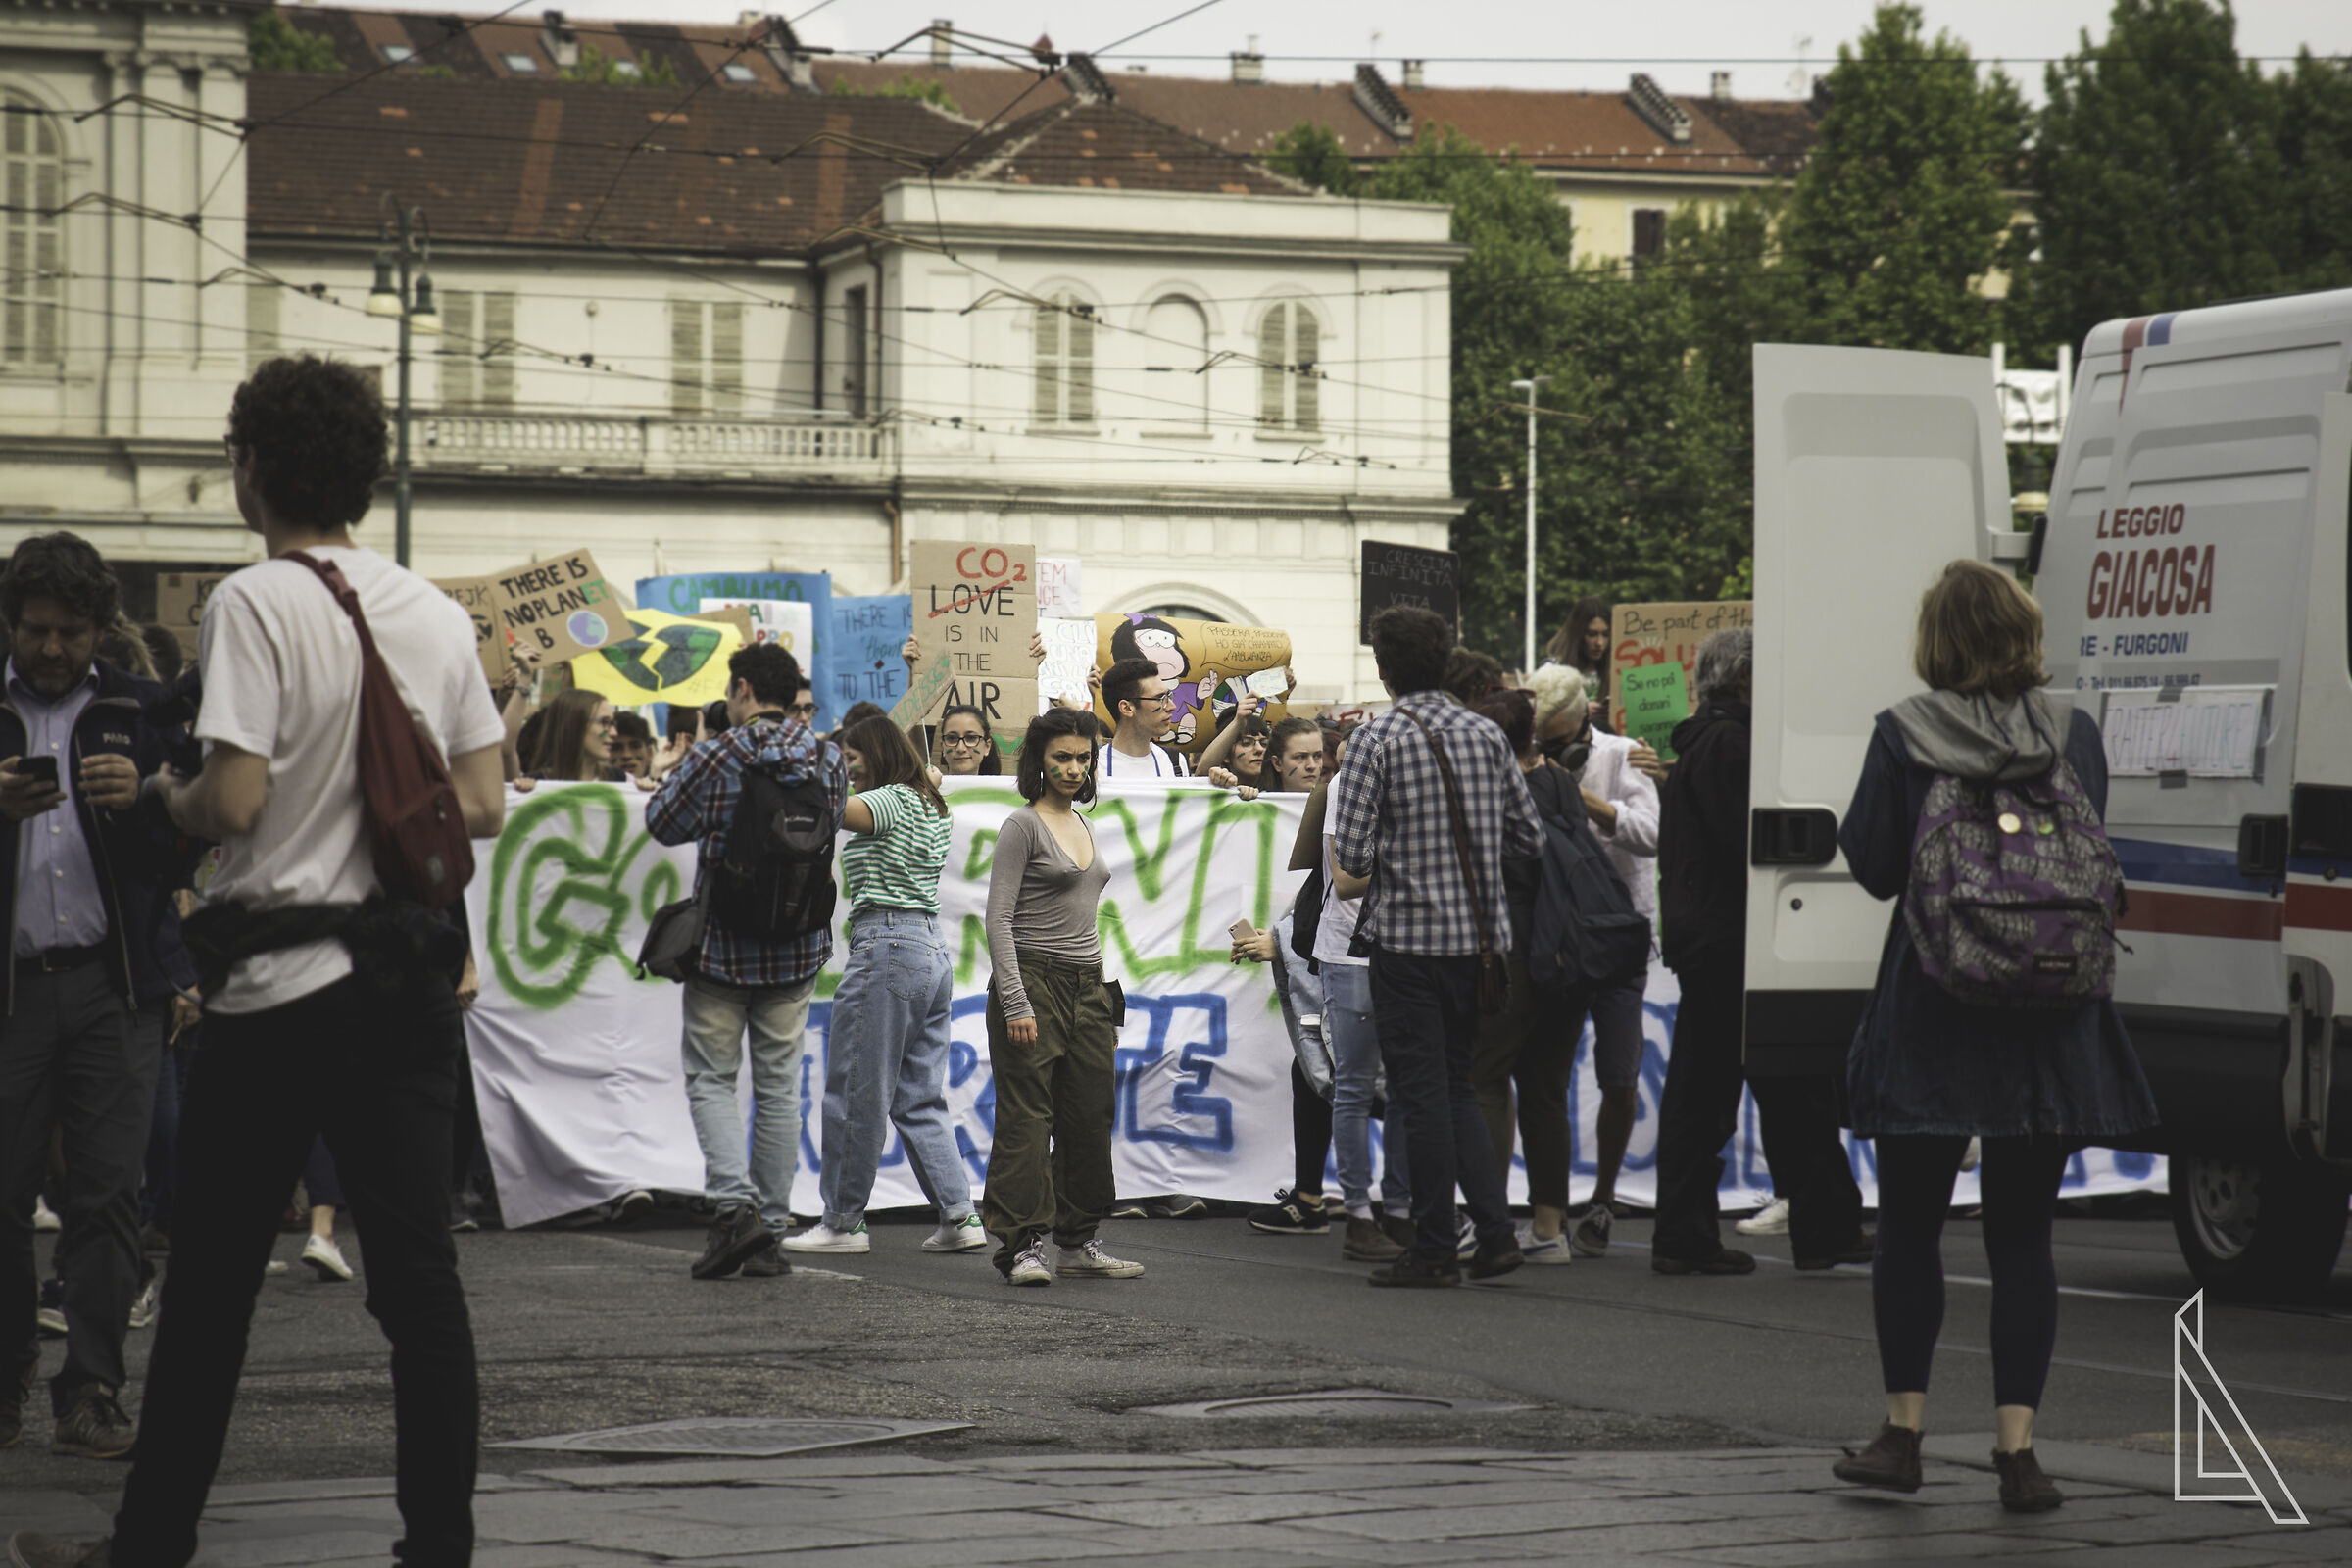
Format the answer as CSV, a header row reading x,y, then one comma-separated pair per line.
x,y
589,1329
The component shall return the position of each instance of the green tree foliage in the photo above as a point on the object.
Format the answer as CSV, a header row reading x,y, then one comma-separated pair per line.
x,y
2315,143
276,44
1898,211
934,93
603,70
1309,152
2157,172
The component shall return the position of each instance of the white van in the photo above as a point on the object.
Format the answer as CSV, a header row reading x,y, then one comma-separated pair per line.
x,y
2194,582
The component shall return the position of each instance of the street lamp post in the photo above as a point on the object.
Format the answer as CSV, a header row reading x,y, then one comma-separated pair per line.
x,y
1529,387
405,236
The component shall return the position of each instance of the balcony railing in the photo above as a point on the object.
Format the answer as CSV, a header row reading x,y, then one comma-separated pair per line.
x,y
586,443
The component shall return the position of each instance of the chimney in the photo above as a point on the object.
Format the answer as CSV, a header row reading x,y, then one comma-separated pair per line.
x,y
1380,103
1659,112
942,54
1719,86
783,51
1249,66
1413,75
562,45
1086,80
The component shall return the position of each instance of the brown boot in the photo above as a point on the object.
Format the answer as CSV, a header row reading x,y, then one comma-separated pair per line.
x,y
1891,1462
1399,1228
2024,1487
1368,1242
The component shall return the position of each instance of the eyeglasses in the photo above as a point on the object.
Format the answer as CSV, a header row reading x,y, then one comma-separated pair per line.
x,y
1163,699
958,741
803,710
606,722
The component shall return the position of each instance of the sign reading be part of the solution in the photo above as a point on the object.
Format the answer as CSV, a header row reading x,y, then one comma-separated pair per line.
x,y
1641,635
561,607
975,610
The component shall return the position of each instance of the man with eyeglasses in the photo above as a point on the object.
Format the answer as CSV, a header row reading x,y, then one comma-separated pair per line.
x,y
1139,701
803,705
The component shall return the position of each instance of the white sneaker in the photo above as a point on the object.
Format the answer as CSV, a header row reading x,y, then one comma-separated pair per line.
x,y
1091,1262
1590,1238
326,1258
277,1265
1770,1220
1547,1250
44,1218
957,1236
823,1238
1029,1265
142,1310
1465,1237
1973,1155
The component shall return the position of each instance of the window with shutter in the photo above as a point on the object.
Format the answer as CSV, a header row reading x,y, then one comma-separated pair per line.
x,y
1272,342
1063,360
32,257
498,349
1650,231
459,346
685,355
1306,387
726,356
1045,327
1290,342
856,354
1079,406
260,322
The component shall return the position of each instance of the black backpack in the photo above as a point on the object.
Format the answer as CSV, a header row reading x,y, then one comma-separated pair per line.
x,y
1588,936
774,878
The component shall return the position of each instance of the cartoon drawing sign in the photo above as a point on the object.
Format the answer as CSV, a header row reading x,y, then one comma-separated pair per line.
x,y
1194,657
665,659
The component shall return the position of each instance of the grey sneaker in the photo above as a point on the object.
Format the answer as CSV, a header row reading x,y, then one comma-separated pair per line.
x,y
26,1550
1029,1265
142,1310
1091,1262
739,1232
94,1426
1590,1238
14,1397
768,1263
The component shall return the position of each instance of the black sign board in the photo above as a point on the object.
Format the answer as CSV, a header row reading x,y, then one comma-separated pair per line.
x,y
1400,574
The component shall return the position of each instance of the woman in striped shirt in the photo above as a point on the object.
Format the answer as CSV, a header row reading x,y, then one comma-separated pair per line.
x,y
886,1047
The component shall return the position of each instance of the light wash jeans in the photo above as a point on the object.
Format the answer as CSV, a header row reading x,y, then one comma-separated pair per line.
x,y
886,1064
1355,1061
716,1019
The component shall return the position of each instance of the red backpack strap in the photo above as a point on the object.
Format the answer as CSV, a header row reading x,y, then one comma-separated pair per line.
x,y
345,594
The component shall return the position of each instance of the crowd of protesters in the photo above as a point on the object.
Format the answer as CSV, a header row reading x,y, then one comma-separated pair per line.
x,y
1425,1017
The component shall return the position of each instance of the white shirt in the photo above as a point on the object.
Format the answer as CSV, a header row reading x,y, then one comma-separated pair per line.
x,y
281,681
1633,844
1111,762
1337,929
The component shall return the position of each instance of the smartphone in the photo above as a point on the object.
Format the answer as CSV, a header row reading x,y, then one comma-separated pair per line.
x,y
1242,931
43,768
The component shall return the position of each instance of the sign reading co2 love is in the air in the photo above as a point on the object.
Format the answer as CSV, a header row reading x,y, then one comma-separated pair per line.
x,y
975,610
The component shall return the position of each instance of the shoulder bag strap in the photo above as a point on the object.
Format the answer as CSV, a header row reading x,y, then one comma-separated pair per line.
x,y
1461,829
345,595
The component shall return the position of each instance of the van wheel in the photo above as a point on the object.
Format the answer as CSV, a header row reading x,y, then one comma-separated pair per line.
x,y
2259,1231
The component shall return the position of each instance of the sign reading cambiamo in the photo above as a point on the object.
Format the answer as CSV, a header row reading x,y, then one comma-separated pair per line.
x,y
1658,634
975,610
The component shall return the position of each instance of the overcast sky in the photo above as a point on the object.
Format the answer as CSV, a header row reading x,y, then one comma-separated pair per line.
x,y
1521,43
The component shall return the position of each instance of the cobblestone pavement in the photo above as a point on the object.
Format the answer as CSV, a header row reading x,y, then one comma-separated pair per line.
x,y
1243,1508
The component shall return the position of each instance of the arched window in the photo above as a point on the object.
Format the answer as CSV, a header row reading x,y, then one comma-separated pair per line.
x,y
1289,345
32,247
1064,353
1178,335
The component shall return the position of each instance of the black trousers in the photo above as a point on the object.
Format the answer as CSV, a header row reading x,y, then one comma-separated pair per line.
x,y
1700,1111
1424,1010
75,1056
1311,1132
377,1078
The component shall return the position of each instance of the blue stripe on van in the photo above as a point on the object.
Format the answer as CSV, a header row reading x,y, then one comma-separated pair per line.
x,y
2160,330
2156,864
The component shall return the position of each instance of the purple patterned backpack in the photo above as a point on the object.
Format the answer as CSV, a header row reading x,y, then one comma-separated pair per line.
x,y
2014,890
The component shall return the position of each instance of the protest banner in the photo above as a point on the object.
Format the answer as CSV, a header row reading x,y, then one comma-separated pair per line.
x,y
562,607
682,594
788,623
180,601
1655,701
665,659
862,641
1641,635
975,610
1194,657
1058,594
576,1067
478,598
1400,574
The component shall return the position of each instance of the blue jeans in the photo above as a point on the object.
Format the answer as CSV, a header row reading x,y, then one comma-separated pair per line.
x,y
716,1019
886,1064
1355,1063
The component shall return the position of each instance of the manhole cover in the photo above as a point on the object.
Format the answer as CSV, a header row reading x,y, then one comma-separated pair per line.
x,y
1327,1404
732,1437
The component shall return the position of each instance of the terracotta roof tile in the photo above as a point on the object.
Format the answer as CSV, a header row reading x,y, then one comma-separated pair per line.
x,y
1112,145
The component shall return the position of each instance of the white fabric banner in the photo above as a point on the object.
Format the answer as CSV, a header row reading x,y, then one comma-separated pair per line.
x,y
576,1061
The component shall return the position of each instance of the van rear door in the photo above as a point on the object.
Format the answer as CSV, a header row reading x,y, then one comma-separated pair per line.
x,y
1873,469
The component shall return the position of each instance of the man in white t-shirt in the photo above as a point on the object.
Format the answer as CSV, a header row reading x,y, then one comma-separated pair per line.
x,y
298,1043
1140,704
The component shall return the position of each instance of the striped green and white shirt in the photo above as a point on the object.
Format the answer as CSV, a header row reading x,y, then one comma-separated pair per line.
x,y
897,865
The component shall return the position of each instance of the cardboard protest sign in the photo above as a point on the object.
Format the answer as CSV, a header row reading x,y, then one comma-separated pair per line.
x,y
1069,660
926,694
562,607
788,623
180,601
1642,635
975,610
1400,574
1194,657
477,597
1057,586
863,640
1655,701
683,593
665,659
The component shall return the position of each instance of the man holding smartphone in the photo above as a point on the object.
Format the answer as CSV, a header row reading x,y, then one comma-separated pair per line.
x,y
82,870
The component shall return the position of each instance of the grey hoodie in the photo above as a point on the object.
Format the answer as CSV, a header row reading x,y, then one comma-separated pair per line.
x,y
1980,736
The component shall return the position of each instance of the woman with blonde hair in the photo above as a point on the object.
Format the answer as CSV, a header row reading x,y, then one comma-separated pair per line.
x,y
1931,1067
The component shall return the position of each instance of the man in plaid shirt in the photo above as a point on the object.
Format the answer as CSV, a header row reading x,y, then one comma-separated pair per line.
x,y
743,981
1393,845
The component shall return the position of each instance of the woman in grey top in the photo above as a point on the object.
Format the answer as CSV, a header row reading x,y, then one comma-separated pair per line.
x,y
1051,1027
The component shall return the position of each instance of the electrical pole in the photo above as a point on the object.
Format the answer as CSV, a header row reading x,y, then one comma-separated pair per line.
x,y
405,236
1529,387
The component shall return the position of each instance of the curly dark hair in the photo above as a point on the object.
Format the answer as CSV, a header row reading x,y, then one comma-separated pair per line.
x,y
775,674
317,431
1410,644
66,568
